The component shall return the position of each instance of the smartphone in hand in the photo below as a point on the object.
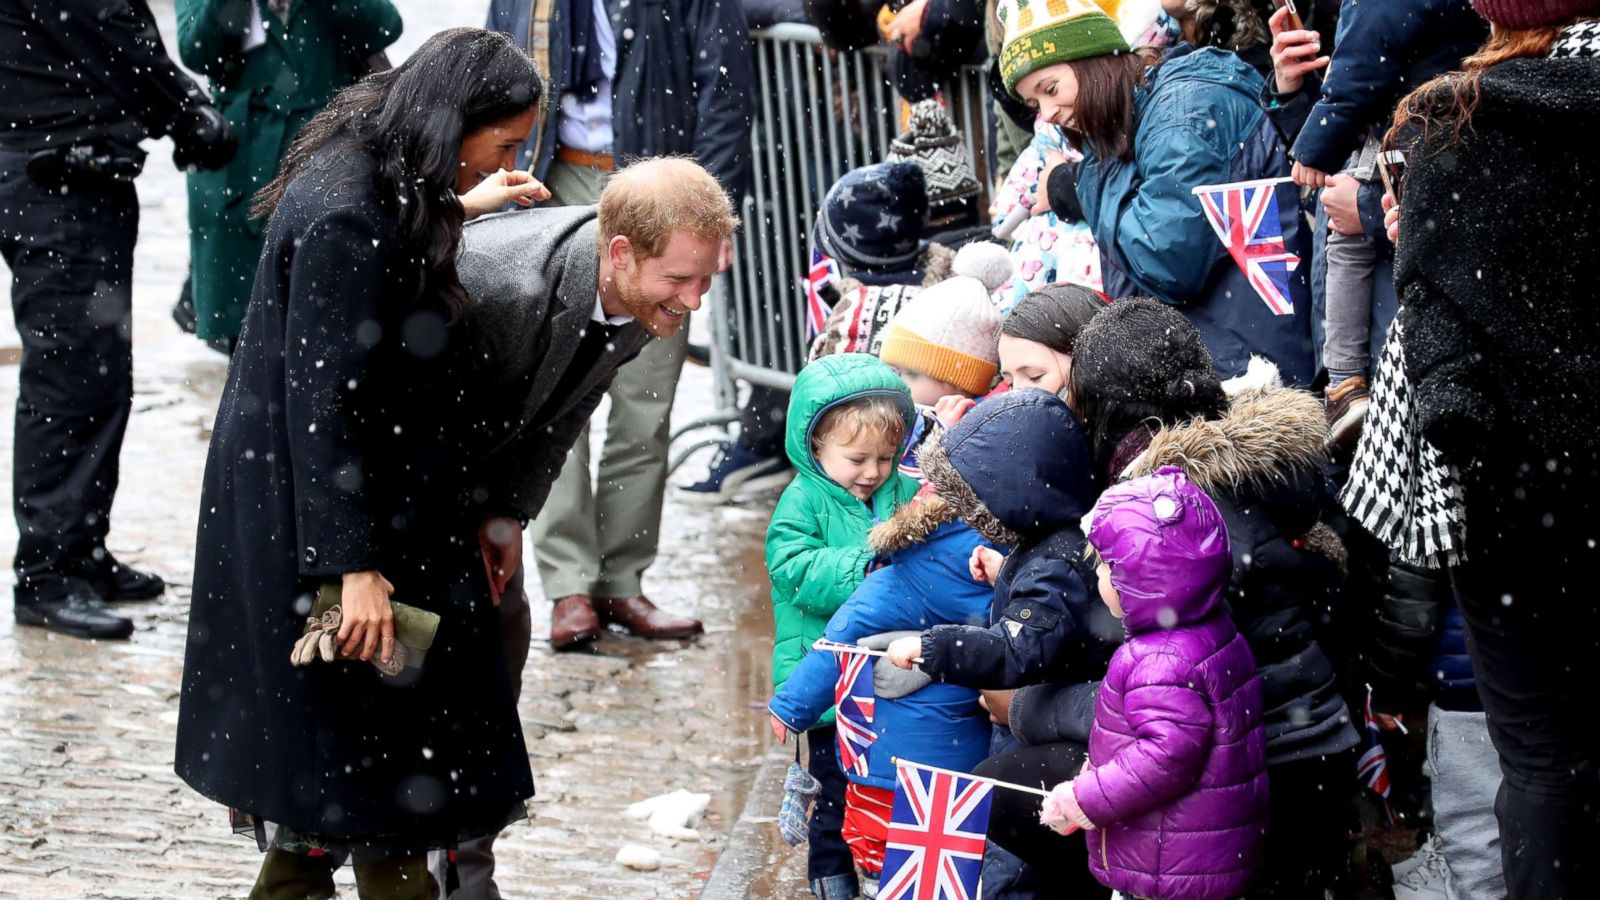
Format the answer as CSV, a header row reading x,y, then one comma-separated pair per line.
x,y
1295,21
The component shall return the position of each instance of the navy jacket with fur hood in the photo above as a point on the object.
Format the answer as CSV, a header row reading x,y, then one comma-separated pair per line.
x,y
1016,469
1261,462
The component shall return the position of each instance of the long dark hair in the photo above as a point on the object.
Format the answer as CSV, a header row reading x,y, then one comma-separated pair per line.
x,y
1103,113
1053,315
411,120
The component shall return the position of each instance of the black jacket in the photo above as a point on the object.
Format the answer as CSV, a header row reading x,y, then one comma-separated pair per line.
x,y
334,453
1261,464
76,70
1385,50
684,81
1500,304
1016,469
1418,651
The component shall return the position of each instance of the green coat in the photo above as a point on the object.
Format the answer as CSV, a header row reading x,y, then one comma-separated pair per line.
x,y
817,542
267,94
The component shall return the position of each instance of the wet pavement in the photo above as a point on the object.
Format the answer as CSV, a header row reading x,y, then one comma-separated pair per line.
x,y
89,806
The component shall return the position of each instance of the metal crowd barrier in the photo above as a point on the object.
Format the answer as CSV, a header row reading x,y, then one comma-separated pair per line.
x,y
818,114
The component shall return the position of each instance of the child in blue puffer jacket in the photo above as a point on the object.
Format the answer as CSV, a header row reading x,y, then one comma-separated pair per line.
x,y
926,583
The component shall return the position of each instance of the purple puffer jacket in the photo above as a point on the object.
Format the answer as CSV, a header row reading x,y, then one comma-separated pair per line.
x,y
1177,774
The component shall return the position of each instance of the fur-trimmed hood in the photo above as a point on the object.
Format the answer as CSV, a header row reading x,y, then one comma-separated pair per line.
x,y
1267,449
912,523
1014,469
1267,435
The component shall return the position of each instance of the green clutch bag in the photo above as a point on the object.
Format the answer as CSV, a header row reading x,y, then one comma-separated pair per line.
x,y
414,630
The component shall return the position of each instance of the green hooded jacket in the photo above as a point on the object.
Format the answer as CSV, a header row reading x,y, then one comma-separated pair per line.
x,y
817,542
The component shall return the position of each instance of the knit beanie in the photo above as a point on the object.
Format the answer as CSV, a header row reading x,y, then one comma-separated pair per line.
x,y
932,142
950,332
1534,13
872,218
1040,33
1142,350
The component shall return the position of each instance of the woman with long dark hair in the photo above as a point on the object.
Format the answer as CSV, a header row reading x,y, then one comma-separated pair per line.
x,y
334,480
1498,328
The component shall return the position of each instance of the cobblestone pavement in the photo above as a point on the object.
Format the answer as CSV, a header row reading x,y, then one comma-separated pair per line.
x,y
89,806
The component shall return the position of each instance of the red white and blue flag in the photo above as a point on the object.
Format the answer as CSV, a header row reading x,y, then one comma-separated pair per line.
x,y
1372,769
855,703
936,835
823,272
1245,216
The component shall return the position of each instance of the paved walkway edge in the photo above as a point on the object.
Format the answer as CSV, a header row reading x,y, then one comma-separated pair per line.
x,y
750,846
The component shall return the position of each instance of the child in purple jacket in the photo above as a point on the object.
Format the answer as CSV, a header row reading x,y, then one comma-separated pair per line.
x,y
1174,795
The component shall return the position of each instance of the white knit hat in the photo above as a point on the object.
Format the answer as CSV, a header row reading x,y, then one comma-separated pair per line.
x,y
949,331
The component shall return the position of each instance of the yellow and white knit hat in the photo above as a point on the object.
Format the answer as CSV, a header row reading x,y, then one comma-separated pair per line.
x,y
1041,33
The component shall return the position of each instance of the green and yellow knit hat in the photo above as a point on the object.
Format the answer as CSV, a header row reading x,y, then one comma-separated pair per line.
x,y
1041,33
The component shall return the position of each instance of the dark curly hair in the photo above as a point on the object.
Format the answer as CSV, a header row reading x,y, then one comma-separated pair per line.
x,y
411,120
1140,363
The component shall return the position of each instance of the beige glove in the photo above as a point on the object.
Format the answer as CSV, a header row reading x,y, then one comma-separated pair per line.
x,y
321,638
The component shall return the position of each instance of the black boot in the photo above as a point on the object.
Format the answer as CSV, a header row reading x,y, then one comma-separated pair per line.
x,y
122,582
78,611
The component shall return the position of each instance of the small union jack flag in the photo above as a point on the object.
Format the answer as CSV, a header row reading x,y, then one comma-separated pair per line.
x,y
855,703
1372,769
936,835
1245,216
822,274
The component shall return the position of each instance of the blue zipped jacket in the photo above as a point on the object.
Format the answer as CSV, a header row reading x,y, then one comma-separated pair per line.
x,y
1199,122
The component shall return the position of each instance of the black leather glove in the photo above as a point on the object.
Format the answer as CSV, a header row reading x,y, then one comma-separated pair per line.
x,y
205,139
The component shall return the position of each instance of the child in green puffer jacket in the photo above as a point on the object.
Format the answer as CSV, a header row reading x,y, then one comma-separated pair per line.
x,y
847,417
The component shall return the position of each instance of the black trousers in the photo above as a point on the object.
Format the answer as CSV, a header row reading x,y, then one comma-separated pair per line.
x,y
70,252
1309,817
1060,863
827,855
1527,594
761,420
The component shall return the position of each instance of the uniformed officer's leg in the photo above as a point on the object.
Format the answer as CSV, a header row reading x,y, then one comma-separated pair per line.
x,y
71,257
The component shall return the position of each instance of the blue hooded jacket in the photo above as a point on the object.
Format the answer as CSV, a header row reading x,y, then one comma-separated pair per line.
x,y
926,583
1199,122
1016,469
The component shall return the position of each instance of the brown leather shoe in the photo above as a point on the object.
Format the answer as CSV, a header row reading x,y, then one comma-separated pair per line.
x,y
573,622
641,617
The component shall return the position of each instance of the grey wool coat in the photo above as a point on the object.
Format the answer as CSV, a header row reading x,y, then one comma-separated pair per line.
x,y
533,276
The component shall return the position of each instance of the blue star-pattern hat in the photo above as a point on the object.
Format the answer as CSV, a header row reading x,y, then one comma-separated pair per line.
x,y
871,220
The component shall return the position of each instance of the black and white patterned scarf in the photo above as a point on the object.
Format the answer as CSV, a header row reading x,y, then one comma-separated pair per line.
x,y
1580,40
1400,489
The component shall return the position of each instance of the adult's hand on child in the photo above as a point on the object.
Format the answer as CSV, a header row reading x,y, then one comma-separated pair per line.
x,y
1305,176
367,624
906,651
1041,197
513,186
1339,201
950,408
1391,217
1061,812
997,704
779,730
1295,53
984,565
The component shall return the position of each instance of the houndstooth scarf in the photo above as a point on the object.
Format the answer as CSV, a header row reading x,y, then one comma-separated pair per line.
x,y
1400,489
1580,40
